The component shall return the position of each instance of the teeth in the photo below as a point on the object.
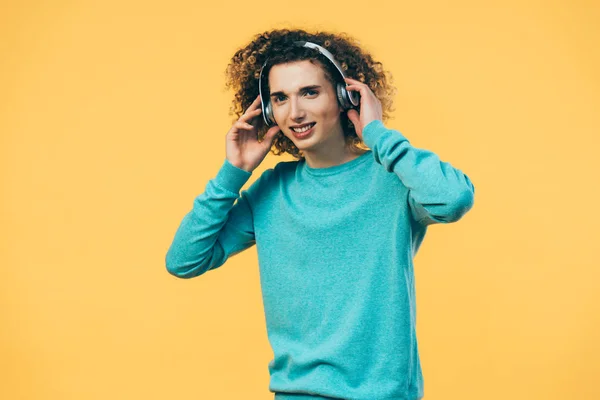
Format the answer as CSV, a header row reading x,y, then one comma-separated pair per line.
x,y
304,129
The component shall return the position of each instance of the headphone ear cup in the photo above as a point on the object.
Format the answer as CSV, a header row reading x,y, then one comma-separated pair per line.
x,y
348,99
342,96
269,118
351,98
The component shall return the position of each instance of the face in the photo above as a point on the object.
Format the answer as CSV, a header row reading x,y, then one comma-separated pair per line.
x,y
300,93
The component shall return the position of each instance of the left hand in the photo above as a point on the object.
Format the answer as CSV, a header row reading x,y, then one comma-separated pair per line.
x,y
370,106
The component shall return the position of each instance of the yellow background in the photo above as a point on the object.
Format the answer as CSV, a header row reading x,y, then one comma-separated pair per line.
x,y
113,118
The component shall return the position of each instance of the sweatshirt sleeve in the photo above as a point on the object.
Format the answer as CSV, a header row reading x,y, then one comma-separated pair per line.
x,y
216,228
438,192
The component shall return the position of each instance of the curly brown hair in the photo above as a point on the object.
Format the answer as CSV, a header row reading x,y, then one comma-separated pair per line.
x,y
243,72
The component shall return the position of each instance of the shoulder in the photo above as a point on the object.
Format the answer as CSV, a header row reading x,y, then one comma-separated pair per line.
x,y
278,172
272,178
284,168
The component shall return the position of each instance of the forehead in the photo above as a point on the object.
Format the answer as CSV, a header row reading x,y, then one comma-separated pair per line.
x,y
295,74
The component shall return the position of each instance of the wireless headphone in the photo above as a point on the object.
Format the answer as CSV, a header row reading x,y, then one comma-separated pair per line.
x,y
346,99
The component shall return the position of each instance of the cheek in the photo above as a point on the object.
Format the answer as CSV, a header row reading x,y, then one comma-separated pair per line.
x,y
323,113
331,116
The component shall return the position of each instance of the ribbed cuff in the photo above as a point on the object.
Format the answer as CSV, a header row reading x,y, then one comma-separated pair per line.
x,y
231,177
373,131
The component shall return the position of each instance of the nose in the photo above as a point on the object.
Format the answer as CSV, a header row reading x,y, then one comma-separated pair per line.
x,y
296,112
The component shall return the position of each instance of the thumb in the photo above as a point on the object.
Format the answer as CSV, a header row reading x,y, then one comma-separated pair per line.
x,y
271,133
354,117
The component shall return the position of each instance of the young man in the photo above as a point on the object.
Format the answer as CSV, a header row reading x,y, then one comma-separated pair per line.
x,y
336,233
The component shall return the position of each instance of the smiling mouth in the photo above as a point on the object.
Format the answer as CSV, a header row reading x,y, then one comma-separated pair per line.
x,y
305,128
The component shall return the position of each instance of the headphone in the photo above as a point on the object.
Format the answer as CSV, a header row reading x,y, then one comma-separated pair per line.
x,y
347,99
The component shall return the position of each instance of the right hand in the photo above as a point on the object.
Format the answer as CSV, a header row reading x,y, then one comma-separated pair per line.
x,y
242,146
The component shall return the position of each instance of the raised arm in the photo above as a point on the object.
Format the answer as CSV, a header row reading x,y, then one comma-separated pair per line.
x,y
438,192
216,228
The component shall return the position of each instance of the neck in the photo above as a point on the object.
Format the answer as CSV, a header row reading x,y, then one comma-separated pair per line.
x,y
331,154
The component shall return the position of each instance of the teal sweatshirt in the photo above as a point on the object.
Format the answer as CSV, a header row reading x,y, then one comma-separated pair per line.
x,y
335,250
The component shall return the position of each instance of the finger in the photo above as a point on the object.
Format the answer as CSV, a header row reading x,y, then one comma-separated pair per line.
x,y
353,116
254,104
250,115
353,80
243,125
273,131
356,87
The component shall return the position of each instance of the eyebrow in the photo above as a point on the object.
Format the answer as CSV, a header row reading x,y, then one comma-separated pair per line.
x,y
302,89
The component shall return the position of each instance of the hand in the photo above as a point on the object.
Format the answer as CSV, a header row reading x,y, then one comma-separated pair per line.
x,y
370,106
242,146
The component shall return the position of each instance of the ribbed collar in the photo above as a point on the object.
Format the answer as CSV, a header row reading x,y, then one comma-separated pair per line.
x,y
336,169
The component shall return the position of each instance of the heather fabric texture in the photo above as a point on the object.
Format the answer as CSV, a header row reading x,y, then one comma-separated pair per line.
x,y
335,252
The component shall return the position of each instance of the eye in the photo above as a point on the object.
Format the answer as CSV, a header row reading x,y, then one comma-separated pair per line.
x,y
281,97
